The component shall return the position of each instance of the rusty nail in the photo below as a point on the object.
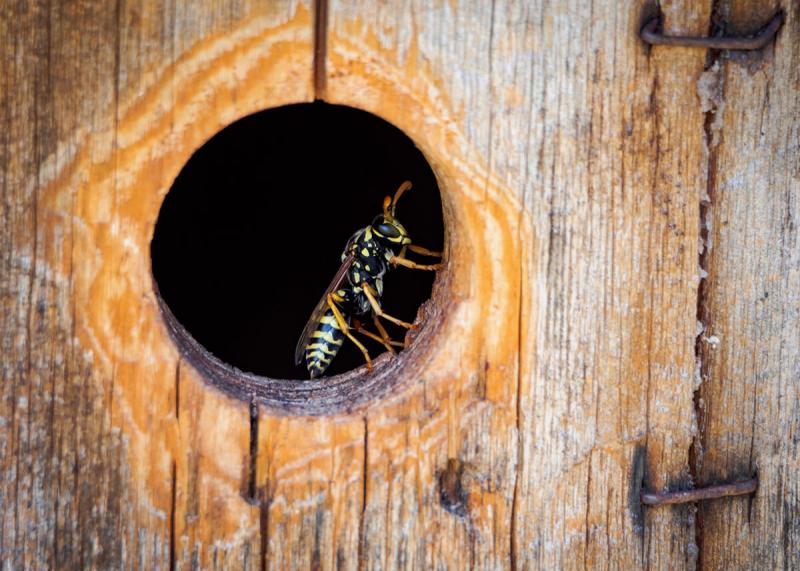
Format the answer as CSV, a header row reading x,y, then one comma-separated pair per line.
x,y
700,494
452,495
753,42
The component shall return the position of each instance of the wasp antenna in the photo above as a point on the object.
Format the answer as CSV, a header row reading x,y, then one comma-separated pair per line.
x,y
387,202
403,187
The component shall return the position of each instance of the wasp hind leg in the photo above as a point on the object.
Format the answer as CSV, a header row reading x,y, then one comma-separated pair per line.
x,y
383,340
346,328
376,308
383,332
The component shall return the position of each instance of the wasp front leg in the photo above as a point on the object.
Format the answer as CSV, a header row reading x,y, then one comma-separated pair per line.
x,y
422,251
332,298
400,261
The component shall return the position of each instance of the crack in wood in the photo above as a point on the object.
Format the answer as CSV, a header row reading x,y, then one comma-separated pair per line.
x,y
362,538
178,389
252,472
173,504
712,100
320,48
263,529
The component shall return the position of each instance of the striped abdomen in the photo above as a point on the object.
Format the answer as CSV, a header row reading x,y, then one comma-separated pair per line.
x,y
325,342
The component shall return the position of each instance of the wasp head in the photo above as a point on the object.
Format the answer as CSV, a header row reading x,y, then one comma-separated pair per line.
x,y
388,228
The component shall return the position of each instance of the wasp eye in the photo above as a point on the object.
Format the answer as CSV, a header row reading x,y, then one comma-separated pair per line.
x,y
387,230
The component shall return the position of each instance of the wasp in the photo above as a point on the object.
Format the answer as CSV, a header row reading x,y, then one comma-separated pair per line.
x,y
356,289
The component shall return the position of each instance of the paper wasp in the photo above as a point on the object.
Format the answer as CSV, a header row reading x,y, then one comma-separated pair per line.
x,y
356,290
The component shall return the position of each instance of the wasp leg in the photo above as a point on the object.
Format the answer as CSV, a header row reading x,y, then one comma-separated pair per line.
x,y
346,329
385,339
424,251
385,342
384,334
398,261
376,307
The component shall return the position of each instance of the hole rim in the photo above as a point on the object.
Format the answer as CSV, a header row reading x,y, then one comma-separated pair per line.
x,y
346,393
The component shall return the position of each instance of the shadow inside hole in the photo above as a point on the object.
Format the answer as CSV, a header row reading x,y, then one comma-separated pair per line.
x,y
251,232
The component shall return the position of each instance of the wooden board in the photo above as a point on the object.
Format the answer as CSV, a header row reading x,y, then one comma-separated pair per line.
x,y
579,169
750,349
114,455
570,158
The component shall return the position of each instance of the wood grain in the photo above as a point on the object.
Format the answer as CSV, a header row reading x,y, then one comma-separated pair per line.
x,y
590,184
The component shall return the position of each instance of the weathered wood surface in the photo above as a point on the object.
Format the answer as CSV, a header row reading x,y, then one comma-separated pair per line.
x,y
113,454
571,155
750,350
576,167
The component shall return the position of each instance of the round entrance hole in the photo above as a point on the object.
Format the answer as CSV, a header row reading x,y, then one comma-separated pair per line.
x,y
253,228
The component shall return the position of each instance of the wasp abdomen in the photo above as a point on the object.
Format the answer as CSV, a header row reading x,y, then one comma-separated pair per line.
x,y
324,343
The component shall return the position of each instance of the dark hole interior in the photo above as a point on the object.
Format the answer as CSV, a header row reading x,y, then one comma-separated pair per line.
x,y
252,230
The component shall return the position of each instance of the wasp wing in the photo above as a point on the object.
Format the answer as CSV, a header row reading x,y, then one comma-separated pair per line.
x,y
321,308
